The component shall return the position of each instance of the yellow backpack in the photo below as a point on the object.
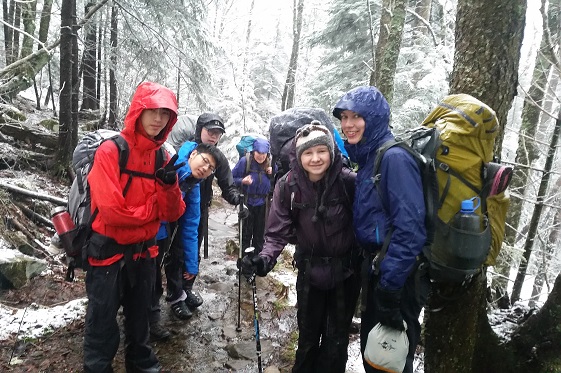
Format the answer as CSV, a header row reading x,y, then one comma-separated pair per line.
x,y
454,150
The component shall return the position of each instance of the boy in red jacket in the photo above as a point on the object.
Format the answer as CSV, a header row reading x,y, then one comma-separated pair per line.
x,y
122,247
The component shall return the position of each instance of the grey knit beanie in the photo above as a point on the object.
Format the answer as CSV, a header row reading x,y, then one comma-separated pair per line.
x,y
313,134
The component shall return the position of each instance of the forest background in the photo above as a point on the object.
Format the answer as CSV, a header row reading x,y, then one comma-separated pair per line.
x,y
248,60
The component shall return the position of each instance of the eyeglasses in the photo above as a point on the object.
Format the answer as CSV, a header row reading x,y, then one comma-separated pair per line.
x,y
214,132
207,163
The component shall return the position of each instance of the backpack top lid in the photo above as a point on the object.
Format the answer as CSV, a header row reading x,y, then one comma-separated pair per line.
x,y
184,130
247,142
84,151
462,118
283,126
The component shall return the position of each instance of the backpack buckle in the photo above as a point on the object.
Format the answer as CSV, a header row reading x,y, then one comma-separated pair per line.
x,y
376,178
444,167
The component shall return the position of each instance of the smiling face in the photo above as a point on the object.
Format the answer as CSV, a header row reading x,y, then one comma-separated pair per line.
x,y
154,121
315,161
202,164
259,157
352,125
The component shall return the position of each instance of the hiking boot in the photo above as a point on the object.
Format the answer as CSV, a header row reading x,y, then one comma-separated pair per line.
x,y
193,300
181,311
158,332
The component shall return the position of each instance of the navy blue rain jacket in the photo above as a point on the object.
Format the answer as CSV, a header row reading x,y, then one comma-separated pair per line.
x,y
400,203
257,191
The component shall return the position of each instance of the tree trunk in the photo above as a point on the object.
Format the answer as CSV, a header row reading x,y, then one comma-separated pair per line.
x,y
527,151
45,21
112,121
64,153
480,59
485,66
20,74
290,84
388,47
8,16
29,9
536,215
422,9
16,34
75,79
89,64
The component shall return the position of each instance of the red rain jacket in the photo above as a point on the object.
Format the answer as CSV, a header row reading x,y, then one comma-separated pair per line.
x,y
136,217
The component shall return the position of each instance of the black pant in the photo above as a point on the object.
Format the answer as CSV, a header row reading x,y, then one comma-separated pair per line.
x,y
411,306
108,288
253,228
323,329
158,291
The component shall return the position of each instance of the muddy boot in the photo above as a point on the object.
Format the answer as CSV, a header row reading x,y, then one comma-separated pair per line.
x,y
158,332
193,300
181,311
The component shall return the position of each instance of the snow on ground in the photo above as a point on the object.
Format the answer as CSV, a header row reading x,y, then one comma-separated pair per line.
x,y
35,321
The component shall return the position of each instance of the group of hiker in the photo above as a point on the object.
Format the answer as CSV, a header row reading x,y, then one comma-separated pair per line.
x,y
149,219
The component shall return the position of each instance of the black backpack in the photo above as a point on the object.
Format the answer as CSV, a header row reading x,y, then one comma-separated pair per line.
x,y
79,200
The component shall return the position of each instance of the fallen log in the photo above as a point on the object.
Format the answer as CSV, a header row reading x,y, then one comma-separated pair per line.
x,y
29,134
29,193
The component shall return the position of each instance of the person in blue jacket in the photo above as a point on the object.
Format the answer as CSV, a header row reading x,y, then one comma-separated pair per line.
x,y
255,184
391,214
181,262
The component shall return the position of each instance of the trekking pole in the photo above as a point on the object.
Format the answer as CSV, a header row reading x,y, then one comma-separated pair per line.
x,y
205,233
250,251
166,253
240,255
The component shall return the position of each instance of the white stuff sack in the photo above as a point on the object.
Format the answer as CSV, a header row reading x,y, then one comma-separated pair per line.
x,y
387,348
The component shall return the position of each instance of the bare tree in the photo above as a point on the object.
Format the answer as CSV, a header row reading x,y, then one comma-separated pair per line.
x,y
290,84
388,47
113,104
90,100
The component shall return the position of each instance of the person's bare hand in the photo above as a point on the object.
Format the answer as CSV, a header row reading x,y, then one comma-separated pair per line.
x,y
248,180
188,276
269,170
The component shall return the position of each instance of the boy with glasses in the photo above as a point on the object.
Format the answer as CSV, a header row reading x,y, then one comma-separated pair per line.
x,y
181,262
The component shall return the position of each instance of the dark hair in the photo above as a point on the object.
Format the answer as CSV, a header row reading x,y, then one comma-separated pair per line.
x,y
210,149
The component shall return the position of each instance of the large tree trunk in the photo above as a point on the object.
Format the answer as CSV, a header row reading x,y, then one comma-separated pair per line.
x,y
536,215
290,84
64,154
388,47
89,64
485,66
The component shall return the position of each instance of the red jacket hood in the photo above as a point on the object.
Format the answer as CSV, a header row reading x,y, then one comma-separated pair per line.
x,y
150,95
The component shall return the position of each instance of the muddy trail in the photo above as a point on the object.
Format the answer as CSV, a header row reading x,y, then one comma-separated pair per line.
x,y
208,342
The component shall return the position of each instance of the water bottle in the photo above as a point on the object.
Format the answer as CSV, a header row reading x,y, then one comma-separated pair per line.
x,y
466,219
64,227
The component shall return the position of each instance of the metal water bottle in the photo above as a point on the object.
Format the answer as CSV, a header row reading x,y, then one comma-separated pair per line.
x,y
466,219
64,227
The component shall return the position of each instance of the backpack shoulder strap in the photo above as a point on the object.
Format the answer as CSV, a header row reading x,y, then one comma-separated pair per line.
x,y
247,163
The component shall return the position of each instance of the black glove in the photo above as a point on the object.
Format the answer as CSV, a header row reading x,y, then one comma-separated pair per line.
x,y
388,310
254,264
167,174
243,213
